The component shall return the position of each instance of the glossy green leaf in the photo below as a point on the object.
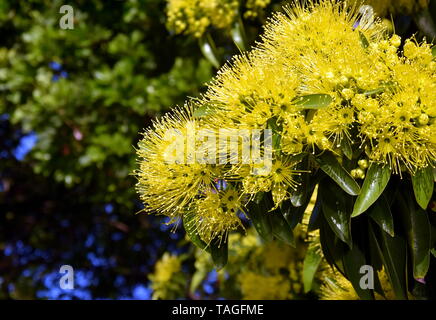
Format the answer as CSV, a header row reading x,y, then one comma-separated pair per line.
x,y
313,101
219,252
423,186
258,214
330,165
311,263
238,35
208,49
363,40
377,178
381,213
337,212
191,230
280,228
314,221
417,226
346,148
299,197
333,248
393,251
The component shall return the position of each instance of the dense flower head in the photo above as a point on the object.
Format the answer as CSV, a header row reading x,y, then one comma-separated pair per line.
x,y
169,187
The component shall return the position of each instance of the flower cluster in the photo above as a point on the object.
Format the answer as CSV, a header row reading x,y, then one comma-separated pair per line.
x,y
167,280
257,272
320,80
194,17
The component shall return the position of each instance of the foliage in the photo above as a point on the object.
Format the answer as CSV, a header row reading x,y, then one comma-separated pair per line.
x,y
82,94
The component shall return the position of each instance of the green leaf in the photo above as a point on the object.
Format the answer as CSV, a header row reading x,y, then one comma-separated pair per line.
x,y
203,111
377,178
313,101
363,40
374,92
280,228
330,165
346,148
299,197
418,230
393,252
381,213
208,49
238,35
337,210
333,248
314,221
219,252
383,88
257,211
311,263
191,230
423,186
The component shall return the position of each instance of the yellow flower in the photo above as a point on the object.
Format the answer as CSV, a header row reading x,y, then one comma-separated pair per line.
x,y
168,181
337,287
166,267
260,287
167,281
216,213
195,16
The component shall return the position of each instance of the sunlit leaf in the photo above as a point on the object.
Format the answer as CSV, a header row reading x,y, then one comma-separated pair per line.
x,y
377,178
330,165
381,213
191,230
313,101
311,263
423,186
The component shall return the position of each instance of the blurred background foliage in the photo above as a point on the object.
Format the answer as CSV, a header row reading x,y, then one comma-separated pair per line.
x,y
71,105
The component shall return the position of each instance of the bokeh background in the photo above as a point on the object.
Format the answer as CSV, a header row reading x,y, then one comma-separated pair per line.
x,y
72,106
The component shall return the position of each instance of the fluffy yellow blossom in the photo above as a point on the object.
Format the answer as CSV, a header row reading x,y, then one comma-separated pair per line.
x,y
168,182
337,287
194,17
216,213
